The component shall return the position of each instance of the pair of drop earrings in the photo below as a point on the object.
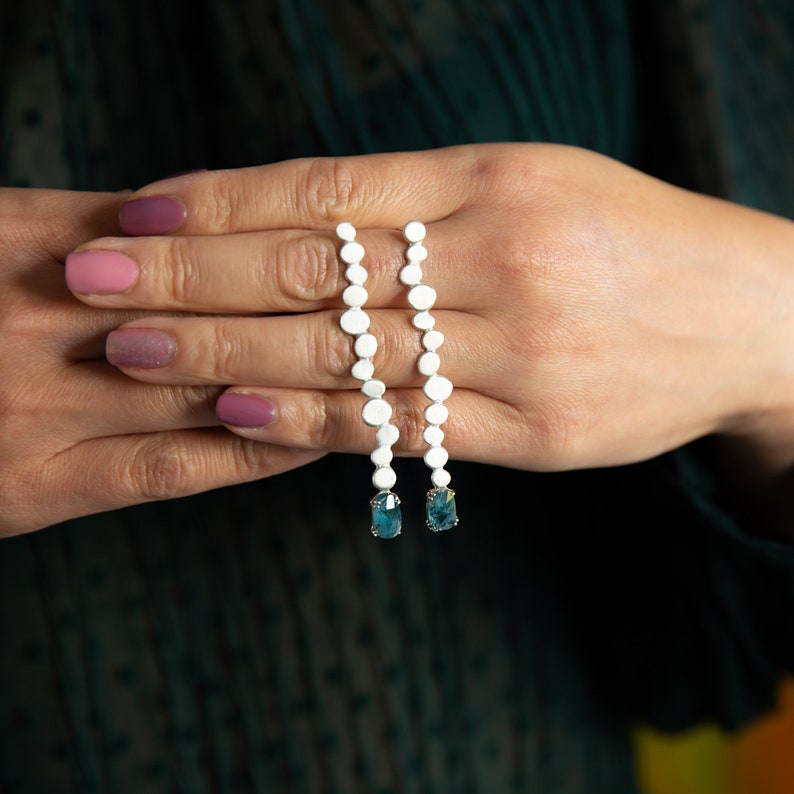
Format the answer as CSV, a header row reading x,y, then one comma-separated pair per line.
x,y
377,412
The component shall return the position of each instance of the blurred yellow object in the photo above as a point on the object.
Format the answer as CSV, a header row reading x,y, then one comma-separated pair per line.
x,y
758,759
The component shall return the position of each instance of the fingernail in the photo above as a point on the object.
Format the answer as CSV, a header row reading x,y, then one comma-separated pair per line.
x,y
152,215
140,347
100,272
244,410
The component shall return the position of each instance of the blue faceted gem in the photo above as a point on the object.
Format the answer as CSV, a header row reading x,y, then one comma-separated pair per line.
x,y
387,519
441,510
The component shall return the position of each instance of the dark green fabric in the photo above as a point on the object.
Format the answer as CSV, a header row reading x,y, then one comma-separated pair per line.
x,y
257,638
117,98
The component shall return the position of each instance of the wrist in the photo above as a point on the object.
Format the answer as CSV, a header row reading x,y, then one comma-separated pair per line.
x,y
754,448
763,412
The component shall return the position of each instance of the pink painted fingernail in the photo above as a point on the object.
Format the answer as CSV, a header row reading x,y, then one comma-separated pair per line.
x,y
244,410
152,215
100,272
140,347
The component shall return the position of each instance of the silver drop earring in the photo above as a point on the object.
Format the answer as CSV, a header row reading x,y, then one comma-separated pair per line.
x,y
385,505
440,502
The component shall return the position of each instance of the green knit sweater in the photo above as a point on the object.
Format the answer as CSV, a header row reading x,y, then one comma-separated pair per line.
x,y
258,638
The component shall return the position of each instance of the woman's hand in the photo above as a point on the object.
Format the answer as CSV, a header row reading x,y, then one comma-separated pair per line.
x,y
593,315
76,436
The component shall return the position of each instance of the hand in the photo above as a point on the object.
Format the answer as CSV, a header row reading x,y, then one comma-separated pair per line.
x,y
76,436
593,315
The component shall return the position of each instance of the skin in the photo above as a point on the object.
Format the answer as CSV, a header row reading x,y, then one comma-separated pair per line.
x,y
76,435
593,315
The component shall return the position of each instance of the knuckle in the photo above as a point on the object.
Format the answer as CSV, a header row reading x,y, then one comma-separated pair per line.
x,y
224,351
194,402
251,459
538,340
505,178
398,348
531,259
217,213
328,189
330,350
326,426
559,431
408,416
178,273
156,471
557,348
21,321
308,269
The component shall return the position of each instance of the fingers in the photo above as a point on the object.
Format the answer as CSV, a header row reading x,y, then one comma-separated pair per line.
x,y
105,474
382,190
49,223
96,401
278,271
39,318
55,409
478,428
300,351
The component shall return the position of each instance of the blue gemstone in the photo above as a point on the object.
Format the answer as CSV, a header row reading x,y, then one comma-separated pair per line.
x,y
387,519
441,510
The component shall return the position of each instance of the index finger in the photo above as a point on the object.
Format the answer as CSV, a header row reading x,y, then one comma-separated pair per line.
x,y
379,190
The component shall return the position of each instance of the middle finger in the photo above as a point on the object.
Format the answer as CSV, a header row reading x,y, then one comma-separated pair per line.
x,y
268,272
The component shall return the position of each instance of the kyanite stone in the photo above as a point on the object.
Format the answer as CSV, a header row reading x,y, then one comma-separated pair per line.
x,y
441,510
387,519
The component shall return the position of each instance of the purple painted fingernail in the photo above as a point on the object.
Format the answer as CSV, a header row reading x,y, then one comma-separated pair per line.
x,y
244,410
100,272
140,347
152,215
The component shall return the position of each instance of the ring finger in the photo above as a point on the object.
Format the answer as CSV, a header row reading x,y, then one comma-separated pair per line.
x,y
301,351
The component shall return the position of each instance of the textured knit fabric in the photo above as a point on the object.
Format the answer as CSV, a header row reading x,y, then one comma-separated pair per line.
x,y
258,638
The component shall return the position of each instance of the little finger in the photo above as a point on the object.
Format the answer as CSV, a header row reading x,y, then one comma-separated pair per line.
x,y
478,428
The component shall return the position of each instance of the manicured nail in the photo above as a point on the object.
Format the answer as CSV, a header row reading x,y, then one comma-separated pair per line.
x,y
152,215
100,272
244,410
140,347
